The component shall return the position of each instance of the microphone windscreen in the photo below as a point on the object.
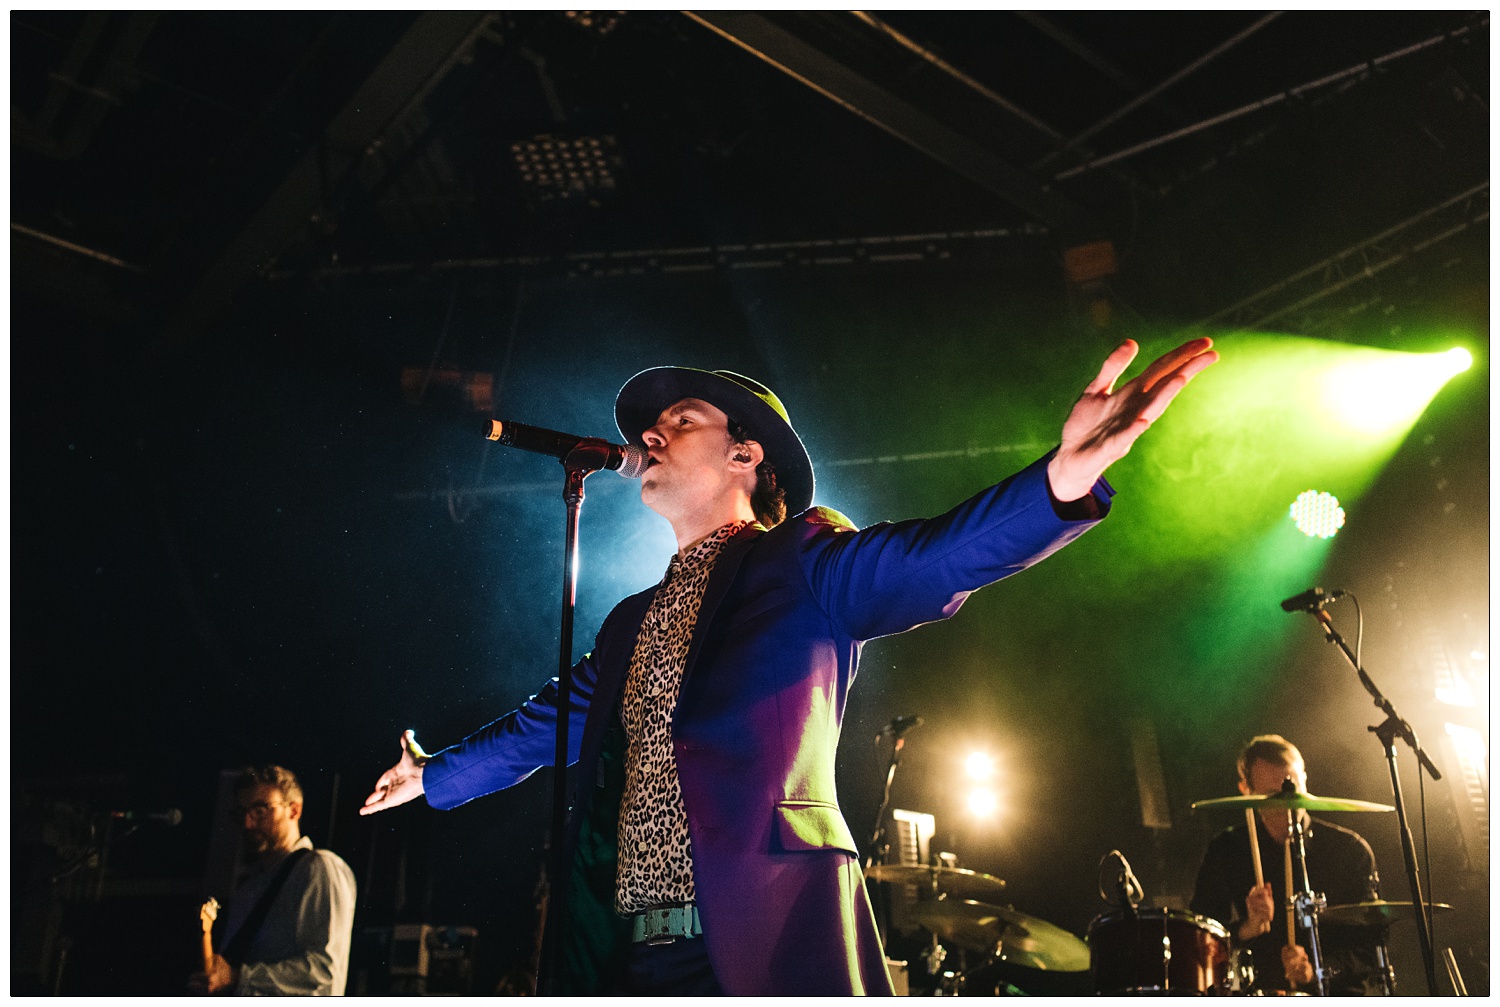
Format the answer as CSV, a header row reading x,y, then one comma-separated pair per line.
x,y
633,461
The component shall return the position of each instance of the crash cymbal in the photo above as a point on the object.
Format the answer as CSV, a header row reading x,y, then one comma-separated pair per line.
x,y
1374,914
1290,799
1001,931
954,881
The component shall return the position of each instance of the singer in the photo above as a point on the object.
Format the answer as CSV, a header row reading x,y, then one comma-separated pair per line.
x,y
709,852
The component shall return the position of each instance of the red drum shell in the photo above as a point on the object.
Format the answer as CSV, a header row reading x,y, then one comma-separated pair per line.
x,y
1159,951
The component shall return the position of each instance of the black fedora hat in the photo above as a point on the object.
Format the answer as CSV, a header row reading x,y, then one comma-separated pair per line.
x,y
745,400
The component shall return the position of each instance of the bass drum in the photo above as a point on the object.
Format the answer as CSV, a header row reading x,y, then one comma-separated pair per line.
x,y
1158,952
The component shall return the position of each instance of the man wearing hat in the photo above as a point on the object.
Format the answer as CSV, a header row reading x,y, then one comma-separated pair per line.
x,y
709,853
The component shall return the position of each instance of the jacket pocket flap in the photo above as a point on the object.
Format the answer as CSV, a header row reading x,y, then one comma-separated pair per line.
x,y
813,825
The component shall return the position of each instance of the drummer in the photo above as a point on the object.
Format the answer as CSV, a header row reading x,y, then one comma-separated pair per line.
x,y
1340,865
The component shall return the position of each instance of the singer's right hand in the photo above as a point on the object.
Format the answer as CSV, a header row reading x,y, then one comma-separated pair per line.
x,y
402,782
1260,907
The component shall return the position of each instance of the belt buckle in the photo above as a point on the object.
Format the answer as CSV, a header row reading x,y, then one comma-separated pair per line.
x,y
658,926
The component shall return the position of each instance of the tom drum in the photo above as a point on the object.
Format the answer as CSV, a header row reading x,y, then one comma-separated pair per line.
x,y
1158,952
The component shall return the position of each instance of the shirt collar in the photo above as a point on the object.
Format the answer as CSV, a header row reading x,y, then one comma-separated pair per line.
x,y
705,552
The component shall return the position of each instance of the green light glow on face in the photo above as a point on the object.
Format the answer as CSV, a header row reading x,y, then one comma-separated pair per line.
x,y
1317,515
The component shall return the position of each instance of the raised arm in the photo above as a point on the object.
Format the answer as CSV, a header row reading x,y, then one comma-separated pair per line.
x,y
1105,421
498,755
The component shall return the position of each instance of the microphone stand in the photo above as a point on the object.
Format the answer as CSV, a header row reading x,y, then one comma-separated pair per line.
x,y
1388,731
890,777
877,841
588,457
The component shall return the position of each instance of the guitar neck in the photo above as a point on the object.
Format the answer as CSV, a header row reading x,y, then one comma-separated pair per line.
x,y
206,917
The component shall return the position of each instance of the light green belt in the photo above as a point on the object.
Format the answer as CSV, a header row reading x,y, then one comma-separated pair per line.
x,y
660,926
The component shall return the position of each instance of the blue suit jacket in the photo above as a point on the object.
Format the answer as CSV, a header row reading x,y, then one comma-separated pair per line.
x,y
774,652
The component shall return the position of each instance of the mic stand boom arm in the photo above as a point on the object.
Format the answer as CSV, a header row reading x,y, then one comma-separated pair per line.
x,y
1392,728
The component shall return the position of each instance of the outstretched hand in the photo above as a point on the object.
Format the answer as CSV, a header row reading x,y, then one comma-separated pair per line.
x,y
402,782
1105,421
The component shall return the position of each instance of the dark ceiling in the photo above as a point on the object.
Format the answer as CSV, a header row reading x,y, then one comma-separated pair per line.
x,y
261,260
200,153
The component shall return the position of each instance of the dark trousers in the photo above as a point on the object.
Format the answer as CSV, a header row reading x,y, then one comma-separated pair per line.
x,y
680,968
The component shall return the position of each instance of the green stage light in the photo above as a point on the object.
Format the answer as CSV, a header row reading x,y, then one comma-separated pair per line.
x,y
1381,392
1317,515
1209,490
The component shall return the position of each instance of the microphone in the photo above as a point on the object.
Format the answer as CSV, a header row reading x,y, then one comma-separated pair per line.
x,y
169,818
1127,887
627,459
899,726
1311,600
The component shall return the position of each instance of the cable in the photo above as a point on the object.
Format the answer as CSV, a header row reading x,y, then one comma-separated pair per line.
x,y
1359,631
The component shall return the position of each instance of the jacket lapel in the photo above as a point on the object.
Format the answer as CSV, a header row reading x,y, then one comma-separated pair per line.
x,y
726,567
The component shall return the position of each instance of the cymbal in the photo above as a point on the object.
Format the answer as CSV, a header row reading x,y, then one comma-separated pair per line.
x,y
1290,799
955,881
1374,914
1011,936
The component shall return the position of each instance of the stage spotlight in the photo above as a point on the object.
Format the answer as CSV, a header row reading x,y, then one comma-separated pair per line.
x,y
979,766
1469,744
1385,392
982,803
1317,515
565,167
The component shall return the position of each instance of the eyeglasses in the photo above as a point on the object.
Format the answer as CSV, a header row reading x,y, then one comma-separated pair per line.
x,y
261,810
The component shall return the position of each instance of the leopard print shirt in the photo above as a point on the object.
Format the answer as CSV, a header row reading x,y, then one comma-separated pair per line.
x,y
656,854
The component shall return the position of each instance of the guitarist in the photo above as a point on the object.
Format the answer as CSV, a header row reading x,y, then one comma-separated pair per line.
x,y
287,927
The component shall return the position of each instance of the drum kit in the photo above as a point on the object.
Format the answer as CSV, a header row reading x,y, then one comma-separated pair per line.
x,y
1129,951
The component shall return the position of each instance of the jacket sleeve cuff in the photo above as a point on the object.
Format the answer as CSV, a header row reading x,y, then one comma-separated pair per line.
x,y
1092,506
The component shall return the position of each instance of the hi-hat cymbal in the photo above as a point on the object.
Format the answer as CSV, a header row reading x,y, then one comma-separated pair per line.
x,y
1009,935
1290,799
1374,914
954,881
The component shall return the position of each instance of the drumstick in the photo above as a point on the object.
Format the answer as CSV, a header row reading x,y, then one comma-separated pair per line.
x,y
1254,846
1291,922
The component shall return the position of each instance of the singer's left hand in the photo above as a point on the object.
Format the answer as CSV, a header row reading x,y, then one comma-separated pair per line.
x,y
1105,421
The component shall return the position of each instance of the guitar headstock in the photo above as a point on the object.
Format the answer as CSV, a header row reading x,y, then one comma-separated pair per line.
x,y
208,914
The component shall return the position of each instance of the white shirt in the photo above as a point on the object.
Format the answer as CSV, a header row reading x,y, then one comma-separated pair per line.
x,y
302,948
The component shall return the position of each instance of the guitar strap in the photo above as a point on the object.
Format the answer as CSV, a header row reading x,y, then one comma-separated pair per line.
x,y
239,945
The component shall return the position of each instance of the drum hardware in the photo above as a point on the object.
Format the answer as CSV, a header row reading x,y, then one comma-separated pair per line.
x,y
952,882
1454,976
1306,906
1374,914
1288,800
1241,971
935,956
1003,934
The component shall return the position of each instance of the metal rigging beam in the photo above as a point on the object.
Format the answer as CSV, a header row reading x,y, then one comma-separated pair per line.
x,y
808,61
413,67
